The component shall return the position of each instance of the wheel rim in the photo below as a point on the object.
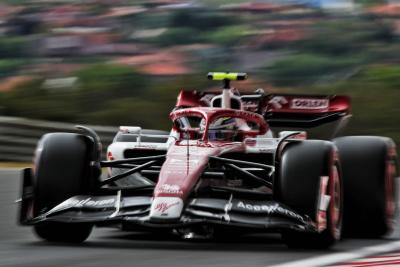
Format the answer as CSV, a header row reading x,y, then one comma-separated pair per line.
x,y
390,205
336,203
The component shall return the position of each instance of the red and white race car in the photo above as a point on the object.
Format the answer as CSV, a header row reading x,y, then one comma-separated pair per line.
x,y
230,161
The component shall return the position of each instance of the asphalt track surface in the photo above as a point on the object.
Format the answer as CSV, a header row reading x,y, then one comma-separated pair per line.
x,y
111,247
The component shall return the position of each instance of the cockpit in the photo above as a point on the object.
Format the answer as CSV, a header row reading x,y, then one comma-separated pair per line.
x,y
217,124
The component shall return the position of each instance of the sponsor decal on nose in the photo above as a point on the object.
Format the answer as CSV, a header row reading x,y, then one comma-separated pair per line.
x,y
169,189
166,208
163,207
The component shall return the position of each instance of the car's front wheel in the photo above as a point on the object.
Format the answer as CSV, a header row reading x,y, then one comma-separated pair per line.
x,y
61,170
306,170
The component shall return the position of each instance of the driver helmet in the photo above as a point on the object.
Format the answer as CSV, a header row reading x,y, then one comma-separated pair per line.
x,y
223,123
223,129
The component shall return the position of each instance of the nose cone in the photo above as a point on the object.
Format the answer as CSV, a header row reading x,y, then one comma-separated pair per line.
x,y
177,178
179,174
166,208
181,170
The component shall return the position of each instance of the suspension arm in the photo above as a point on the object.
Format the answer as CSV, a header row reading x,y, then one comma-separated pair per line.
x,y
113,163
129,172
250,175
253,164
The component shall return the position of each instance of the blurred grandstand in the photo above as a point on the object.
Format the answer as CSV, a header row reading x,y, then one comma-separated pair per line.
x,y
112,62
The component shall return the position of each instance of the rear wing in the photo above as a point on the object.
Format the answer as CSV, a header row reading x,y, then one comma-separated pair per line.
x,y
286,111
304,111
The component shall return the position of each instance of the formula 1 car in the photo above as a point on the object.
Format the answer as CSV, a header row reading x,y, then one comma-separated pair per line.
x,y
231,162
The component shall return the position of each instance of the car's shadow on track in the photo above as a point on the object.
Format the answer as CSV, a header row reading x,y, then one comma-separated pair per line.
x,y
137,240
117,239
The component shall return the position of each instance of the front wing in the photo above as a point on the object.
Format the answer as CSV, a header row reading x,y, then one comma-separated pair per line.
x,y
135,210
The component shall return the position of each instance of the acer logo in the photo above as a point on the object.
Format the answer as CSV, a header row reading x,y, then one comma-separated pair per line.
x,y
269,209
163,206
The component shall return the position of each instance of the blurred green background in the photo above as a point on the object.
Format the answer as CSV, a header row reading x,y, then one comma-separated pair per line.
x,y
124,62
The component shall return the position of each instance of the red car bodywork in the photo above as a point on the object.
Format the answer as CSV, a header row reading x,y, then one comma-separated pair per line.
x,y
186,160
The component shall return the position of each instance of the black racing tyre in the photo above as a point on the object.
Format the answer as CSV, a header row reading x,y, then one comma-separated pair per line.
x,y
63,232
298,184
124,137
61,170
369,168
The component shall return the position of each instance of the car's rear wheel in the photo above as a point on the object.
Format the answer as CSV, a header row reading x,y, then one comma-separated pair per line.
x,y
61,170
303,169
369,168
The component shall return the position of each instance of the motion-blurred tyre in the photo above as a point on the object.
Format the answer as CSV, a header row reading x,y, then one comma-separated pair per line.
x,y
369,168
298,185
62,170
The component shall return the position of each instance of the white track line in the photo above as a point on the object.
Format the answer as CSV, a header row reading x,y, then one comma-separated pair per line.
x,y
331,259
